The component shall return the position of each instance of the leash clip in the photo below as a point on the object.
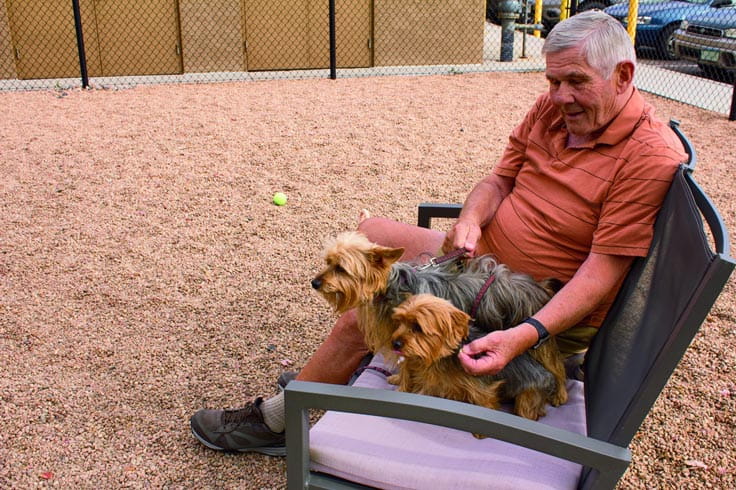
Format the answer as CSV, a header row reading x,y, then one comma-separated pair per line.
x,y
432,263
435,261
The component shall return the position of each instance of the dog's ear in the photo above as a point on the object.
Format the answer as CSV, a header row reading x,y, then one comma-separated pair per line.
x,y
459,317
450,323
461,320
385,256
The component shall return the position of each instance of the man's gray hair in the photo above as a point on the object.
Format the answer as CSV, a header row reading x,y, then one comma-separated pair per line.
x,y
603,40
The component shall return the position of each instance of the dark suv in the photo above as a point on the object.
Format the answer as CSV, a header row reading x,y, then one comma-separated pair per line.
x,y
709,39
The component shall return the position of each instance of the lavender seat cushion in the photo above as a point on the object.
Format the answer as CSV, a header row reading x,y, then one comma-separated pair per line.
x,y
399,454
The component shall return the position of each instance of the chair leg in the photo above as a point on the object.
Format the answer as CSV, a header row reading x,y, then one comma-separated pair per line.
x,y
297,437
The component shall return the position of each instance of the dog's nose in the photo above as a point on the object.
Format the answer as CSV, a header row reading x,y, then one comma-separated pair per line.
x,y
316,283
397,345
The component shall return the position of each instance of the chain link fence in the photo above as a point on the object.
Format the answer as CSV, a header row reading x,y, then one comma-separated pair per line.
x,y
73,43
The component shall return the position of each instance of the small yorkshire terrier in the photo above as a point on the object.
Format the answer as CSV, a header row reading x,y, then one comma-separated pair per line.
x,y
429,333
363,275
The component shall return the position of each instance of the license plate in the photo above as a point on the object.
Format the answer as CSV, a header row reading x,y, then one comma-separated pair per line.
x,y
709,55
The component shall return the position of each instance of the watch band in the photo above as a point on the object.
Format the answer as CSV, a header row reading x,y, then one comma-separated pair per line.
x,y
541,331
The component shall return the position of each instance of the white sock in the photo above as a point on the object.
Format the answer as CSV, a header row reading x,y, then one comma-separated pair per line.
x,y
274,412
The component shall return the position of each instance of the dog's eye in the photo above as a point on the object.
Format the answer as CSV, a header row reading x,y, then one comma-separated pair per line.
x,y
416,328
338,268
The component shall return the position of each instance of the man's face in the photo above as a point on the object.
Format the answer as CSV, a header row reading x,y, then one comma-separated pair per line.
x,y
586,100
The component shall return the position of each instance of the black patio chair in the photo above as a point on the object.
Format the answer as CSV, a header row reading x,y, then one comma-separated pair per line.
x,y
664,300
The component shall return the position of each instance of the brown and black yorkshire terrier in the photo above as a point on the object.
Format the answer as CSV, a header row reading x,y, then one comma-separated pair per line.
x,y
369,277
429,333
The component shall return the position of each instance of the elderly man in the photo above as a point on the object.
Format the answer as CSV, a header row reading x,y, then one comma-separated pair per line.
x,y
574,196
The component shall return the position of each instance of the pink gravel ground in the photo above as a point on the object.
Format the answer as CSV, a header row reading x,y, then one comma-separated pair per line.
x,y
145,273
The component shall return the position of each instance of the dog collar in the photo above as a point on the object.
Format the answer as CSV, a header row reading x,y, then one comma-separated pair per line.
x,y
481,293
541,331
378,369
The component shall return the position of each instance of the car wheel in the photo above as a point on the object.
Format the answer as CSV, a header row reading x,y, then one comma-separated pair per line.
x,y
491,13
592,5
666,43
716,73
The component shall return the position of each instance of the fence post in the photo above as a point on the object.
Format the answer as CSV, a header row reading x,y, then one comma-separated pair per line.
x,y
573,7
80,44
732,116
333,48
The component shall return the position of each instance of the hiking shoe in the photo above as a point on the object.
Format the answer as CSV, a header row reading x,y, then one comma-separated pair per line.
x,y
284,379
240,430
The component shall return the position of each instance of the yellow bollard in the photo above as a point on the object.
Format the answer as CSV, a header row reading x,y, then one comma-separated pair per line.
x,y
631,19
537,16
564,9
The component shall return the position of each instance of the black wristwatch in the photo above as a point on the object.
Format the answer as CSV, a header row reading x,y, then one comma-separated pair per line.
x,y
541,331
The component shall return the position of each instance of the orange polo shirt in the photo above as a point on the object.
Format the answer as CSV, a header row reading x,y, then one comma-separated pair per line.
x,y
602,197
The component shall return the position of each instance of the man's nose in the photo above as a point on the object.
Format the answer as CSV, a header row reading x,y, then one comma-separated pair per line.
x,y
562,95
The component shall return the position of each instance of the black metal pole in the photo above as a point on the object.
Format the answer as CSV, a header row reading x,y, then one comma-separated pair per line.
x,y
333,49
732,116
80,44
525,16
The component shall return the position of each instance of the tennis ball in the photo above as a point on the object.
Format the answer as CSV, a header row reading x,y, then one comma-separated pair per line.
x,y
279,199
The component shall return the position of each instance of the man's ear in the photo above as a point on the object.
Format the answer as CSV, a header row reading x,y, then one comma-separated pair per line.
x,y
624,74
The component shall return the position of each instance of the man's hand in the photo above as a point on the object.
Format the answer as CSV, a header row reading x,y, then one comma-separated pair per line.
x,y
490,354
463,234
478,210
582,294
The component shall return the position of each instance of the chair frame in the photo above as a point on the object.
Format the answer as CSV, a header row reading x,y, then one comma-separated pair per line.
x,y
605,460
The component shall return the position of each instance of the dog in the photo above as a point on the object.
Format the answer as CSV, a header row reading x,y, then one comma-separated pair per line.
x,y
369,277
429,333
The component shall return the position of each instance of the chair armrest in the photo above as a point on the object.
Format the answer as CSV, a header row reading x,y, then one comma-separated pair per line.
x,y
692,158
428,210
610,460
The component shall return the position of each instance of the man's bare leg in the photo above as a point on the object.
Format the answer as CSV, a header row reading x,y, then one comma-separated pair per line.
x,y
339,355
416,241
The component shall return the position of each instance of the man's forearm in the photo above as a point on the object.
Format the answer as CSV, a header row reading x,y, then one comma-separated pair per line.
x,y
595,279
481,204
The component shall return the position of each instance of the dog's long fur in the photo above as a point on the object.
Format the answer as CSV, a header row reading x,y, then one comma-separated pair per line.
x,y
429,333
363,275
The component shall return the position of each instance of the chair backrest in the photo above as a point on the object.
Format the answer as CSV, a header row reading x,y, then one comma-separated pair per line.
x,y
659,309
657,312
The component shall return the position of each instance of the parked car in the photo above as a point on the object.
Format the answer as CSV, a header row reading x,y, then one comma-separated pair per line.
x,y
550,9
657,22
709,39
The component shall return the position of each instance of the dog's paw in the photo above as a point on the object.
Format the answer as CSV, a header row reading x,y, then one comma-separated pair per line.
x,y
531,413
394,379
530,404
559,398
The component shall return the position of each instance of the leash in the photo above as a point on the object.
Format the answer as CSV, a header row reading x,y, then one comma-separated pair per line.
x,y
435,261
